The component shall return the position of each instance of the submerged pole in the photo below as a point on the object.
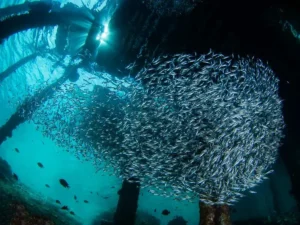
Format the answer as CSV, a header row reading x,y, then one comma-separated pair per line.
x,y
223,215
39,16
25,110
207,214
19,23
128,202
214,214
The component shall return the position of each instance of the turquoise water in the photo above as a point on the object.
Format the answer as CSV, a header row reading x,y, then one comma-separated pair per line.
x,y
81,175
58,163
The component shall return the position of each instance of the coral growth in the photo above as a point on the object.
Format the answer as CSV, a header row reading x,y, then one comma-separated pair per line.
x,y
22,216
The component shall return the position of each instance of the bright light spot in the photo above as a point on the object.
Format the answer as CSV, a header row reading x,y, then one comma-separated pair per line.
x,y
103,36
98,37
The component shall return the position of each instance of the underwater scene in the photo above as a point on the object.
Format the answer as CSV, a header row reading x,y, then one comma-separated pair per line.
x,y
149,112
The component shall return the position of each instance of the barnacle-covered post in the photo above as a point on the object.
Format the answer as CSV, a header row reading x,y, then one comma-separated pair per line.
x,y
214,214
128,202
207,214
223,215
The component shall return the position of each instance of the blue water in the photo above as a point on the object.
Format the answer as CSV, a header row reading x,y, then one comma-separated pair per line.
x,y
81,175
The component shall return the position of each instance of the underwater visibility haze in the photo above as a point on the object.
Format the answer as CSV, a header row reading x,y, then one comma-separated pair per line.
x,y
169,112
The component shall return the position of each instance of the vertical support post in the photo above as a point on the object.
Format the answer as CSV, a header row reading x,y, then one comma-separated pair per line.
x,y
214,214
128,202
223,215
207,214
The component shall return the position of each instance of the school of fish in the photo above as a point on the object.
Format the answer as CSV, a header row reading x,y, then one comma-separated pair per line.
x,y
188,126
